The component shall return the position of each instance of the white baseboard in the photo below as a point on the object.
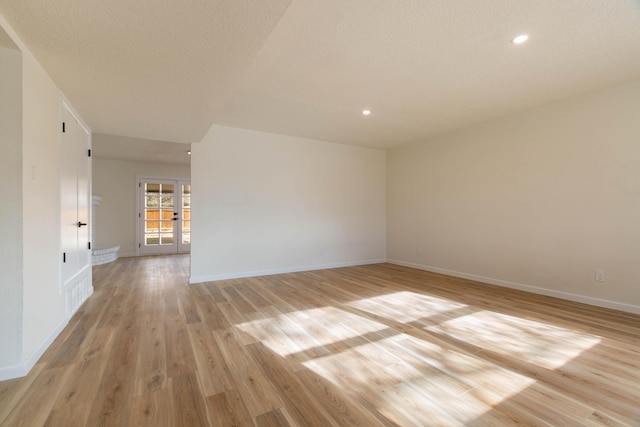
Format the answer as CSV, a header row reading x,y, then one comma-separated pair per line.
x,y
240,275
133,254
11,372
629,308
17,371
126,255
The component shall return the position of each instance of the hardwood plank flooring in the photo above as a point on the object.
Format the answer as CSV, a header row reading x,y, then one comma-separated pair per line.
x,y
377,345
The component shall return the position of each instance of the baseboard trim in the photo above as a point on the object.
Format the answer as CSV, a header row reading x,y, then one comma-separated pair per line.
x,y
244,274
18,371
11,372
127,255
598,302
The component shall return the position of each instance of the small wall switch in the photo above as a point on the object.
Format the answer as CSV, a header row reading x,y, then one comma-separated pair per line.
x,y
601,275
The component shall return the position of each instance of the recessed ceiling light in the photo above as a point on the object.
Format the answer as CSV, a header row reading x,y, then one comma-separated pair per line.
x,y
366,112
189,152
520,39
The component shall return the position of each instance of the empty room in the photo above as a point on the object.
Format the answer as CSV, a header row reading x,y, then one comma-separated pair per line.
x,y
320,213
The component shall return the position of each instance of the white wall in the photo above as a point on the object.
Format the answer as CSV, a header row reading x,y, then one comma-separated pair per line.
x,y
265,203
540,199
115,181
11,279
44,307
41,307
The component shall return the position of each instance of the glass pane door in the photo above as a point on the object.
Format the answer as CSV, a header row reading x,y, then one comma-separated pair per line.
x,y
184,244
164,217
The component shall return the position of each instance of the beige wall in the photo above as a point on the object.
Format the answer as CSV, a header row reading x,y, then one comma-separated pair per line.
x,y
44,307
11,264
115,181
537,200
264,203
41,310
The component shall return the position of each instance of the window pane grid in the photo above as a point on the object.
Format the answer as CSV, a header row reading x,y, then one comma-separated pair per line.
x,y
160,209
158,224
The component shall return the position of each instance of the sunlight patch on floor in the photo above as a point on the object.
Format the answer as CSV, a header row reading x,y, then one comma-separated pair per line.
x,y
413,382
535,342
405,306
305,329
425,366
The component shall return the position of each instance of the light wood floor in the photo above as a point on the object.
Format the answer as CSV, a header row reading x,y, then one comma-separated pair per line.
x,y
366,346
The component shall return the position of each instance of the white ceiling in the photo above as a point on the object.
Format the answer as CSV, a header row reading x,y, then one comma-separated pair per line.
x,y
142,150
166,70
5,40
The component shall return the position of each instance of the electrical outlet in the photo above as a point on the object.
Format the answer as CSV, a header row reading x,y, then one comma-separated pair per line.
x,y
601,275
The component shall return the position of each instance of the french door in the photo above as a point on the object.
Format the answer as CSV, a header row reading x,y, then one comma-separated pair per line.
x,y
164,216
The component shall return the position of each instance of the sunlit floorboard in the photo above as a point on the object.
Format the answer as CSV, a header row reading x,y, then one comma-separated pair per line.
x,y
371,345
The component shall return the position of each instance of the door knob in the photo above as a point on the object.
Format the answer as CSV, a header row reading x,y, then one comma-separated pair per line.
x,y
80,224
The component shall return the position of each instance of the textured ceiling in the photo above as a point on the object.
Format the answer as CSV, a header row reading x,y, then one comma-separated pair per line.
x,y
143,150
5,40
166,70
152,69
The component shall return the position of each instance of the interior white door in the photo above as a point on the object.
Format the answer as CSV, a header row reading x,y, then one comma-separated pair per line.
x,y
75,195
164,217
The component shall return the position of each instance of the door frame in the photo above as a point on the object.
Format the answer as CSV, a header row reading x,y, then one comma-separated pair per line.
x,y
138,212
